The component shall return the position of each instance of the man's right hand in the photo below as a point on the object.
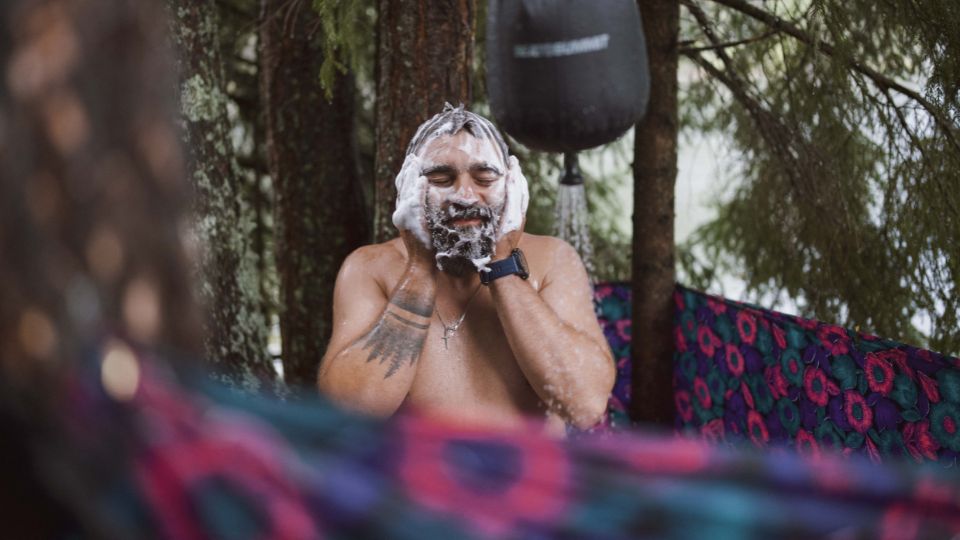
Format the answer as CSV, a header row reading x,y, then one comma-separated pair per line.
x,y
419,256
410,215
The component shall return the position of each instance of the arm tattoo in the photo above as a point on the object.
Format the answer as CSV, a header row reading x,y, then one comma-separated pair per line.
x,y
408,301
395,339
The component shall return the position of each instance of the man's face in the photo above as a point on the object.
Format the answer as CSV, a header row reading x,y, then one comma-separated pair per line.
x,y
465,199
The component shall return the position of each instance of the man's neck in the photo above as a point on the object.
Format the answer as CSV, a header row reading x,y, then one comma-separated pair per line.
x,y
458,284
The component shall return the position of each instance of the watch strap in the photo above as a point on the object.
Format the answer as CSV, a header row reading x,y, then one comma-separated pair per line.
x,y
505,267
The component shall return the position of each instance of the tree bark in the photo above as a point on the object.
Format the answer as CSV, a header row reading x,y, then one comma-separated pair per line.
x,y
236,340
654,174
319,214
424,58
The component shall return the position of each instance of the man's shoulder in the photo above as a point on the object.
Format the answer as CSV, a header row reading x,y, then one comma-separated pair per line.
x,y
545,248
390,248
374,259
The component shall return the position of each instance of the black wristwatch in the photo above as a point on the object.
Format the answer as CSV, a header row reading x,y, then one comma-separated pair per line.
x,y
514,264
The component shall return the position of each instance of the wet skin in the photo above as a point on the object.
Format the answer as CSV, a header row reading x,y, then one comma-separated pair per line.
x,y
526,348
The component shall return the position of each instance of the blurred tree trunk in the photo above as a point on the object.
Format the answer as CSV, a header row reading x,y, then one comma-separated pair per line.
x,y
237,336
424,58
319,214
655,173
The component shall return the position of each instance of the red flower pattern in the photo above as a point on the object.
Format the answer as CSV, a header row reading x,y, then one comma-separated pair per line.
x,y
702,392
679,340
747,326
623,329
918,440
757,429
776,381
859,414
879,374
734,360
929,387
840,357
816,387
834,339
779,336
708,340
747,396
716,306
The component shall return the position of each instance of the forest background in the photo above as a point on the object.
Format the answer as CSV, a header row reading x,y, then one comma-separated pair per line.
x,y
837,195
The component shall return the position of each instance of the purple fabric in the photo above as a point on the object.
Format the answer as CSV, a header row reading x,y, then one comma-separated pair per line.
x,y
189,459
741,372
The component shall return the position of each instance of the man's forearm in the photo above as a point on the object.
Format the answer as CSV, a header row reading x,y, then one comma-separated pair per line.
x,y
374,373
568,370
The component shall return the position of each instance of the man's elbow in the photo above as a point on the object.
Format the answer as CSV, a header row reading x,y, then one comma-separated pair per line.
x,y
590,412
346,394
593,408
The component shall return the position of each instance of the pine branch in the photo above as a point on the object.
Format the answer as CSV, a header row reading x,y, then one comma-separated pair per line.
x,y
728,44
798,158
882,81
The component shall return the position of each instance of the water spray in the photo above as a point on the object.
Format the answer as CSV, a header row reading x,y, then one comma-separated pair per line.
x,y
572,222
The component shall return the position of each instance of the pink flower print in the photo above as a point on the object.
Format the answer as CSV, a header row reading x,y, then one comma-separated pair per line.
x,y
879,374
859,414
834,339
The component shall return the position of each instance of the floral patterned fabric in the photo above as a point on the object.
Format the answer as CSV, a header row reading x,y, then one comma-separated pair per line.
x,y
612,304
162,459
742,372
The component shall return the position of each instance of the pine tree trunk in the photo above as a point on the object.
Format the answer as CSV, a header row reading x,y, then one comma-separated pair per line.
x,y
237,333
424,58
319,214
655,173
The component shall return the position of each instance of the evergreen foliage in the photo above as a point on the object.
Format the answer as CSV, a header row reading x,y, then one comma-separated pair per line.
x,y
844,118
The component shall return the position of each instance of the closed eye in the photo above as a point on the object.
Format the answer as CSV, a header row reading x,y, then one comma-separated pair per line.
x,y
440,175
486,179
440,179
485,174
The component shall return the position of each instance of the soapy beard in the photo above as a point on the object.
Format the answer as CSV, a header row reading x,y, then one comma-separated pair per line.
x,y
457,247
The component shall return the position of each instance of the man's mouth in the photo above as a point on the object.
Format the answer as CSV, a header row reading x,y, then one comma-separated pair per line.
x,y
466,222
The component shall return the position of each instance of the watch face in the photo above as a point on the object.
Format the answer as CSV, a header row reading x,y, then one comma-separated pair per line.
x,y
522,263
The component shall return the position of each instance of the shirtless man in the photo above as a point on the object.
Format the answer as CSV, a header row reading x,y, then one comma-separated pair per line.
x,y
414,325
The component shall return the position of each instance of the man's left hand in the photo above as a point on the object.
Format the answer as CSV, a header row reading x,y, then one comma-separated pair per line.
x,y
507,244
515,206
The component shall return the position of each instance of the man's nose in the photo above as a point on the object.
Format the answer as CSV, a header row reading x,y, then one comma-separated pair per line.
x,y
465,192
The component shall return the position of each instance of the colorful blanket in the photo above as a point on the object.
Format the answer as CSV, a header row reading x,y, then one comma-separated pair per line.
x,y
154,457
742,372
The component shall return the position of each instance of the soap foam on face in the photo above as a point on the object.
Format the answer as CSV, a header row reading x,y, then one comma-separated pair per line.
x,y
411,185
413,188
518,198
458,248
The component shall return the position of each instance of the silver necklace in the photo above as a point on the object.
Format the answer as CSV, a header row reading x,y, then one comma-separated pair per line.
x,y
450,330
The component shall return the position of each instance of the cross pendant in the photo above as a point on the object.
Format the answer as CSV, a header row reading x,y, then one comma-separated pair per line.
x,y
447,334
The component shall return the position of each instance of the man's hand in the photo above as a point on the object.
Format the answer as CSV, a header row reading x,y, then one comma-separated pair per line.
x,y
508,242
514,218
410,215
418,255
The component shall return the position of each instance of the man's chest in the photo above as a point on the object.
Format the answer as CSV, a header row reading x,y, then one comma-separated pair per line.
x,y
469,364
